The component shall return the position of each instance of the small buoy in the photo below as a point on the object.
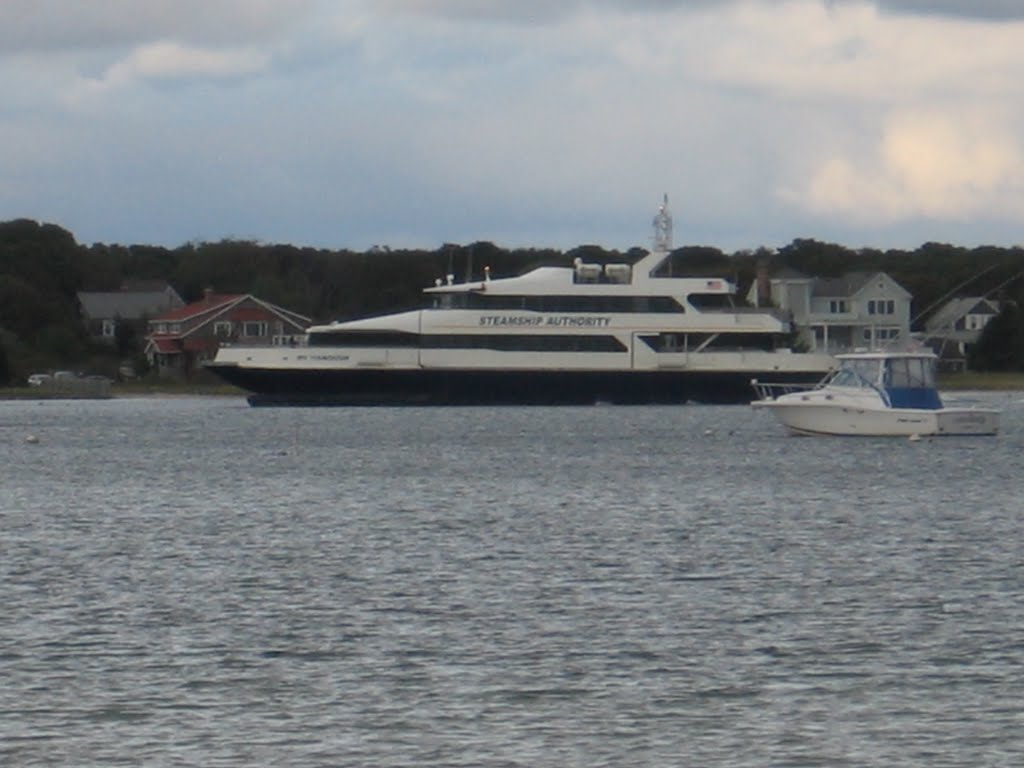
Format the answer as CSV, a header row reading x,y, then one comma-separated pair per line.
x,y
709,432
31,439
914,438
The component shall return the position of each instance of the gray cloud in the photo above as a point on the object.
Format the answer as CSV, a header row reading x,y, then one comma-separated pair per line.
x,y
979,9
547,122
56,25
53,25
548,10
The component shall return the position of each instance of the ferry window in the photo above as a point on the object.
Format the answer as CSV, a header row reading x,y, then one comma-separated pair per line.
x,y
508,342
711,300
363,339
602,304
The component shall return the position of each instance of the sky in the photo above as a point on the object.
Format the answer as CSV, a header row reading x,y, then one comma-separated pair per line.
x,y
527,123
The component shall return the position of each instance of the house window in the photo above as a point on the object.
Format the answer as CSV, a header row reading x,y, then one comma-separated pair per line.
x,y
882,307
160,327
254,328
881,334
109,328
222,329
977,322
838,307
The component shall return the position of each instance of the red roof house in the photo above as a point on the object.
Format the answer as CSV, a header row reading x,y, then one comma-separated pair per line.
x,y
181,339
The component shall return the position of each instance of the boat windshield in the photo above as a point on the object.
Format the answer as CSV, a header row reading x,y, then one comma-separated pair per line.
x,y
910,373
857,373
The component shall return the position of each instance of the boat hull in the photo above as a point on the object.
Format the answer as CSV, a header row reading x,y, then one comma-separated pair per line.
x,y
383,386
843,420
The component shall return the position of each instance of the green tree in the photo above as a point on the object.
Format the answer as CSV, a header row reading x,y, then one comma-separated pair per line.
x,y
23,311
5,365
126,339
1001,345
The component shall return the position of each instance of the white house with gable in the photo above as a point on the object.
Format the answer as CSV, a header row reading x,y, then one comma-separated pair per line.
x,y
839,314
956,325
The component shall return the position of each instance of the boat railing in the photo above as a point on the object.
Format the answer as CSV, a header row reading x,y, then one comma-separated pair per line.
x,y
292,340
769,390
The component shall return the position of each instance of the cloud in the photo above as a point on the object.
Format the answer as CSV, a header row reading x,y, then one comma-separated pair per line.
x,y
161,61
537,11
934,165
65,25
890,118
530,122
978,9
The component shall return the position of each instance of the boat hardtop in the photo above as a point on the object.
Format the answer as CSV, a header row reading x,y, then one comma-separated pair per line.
x,y
901,379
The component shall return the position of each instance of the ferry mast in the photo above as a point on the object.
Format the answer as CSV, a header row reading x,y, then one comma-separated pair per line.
x,y
663,228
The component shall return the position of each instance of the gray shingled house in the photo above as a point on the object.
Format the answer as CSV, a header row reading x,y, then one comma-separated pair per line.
x,y
134,304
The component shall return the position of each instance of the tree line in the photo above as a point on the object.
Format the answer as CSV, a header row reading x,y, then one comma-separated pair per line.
x,y
43,267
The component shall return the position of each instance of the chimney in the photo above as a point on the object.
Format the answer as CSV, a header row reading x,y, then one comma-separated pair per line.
x,y
207,295
764,287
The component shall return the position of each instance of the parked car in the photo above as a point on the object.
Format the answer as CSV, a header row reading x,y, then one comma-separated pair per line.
x,y
38,379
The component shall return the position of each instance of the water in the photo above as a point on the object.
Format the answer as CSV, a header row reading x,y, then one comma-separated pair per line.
x,y
190,581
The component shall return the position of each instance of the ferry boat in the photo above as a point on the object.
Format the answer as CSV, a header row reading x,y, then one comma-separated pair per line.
x,y
612,333
879,393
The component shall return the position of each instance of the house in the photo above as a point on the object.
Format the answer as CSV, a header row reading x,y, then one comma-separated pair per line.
x,y
181,339
956,325
105,312
858,309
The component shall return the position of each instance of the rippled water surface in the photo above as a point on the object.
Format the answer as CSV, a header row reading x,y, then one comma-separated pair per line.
x,y
194,582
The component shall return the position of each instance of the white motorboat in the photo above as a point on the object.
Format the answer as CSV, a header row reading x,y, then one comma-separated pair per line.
x,y
880,393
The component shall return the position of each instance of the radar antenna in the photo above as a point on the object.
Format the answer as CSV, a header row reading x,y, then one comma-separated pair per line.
x,y
663,228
